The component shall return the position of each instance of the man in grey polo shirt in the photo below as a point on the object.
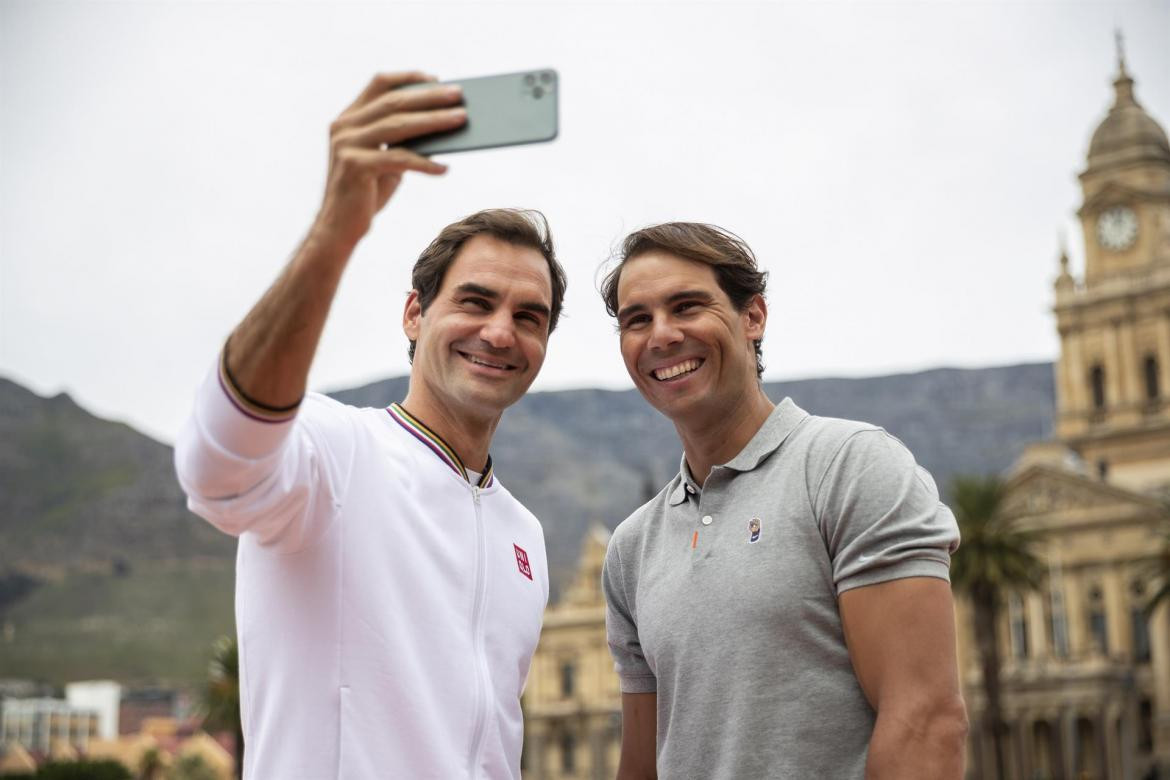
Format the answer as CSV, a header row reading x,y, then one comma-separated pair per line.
x,y
782,608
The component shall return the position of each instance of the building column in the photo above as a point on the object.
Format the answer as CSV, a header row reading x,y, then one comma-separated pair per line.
x,y
1130,386
1111,761
1074,614
597,750
1067,727
1160,666
1024,749
978,749
1114,392
1056,747
1164,354
1074,398
1101,724
537,748
1128,720
1117,620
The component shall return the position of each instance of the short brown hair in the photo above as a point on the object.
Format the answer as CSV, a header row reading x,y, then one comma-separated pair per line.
x,y
522,227
729,256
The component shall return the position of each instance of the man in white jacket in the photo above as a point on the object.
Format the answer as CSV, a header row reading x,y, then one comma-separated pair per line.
x,y
389,590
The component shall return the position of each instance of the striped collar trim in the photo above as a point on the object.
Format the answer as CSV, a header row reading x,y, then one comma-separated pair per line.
x,y
436,444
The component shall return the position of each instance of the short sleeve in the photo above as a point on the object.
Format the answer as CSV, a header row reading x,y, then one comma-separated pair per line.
x,y
880,514
621,628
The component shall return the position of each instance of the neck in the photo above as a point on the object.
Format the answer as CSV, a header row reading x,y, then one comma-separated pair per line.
x,y
720,436
470,435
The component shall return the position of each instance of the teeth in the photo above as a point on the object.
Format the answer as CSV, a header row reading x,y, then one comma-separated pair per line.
x,y
678,369
483,362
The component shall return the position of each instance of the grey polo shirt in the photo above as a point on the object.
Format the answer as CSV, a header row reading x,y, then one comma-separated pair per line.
x,y
723,599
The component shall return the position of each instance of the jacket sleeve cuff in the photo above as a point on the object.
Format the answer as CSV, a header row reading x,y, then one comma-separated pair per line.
x,y
236,424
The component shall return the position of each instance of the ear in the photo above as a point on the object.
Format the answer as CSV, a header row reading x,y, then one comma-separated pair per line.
x,y
411,314
755,317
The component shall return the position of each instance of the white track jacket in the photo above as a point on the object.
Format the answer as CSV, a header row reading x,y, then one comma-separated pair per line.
x,y
387,609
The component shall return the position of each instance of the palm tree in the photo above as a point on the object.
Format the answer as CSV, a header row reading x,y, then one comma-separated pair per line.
x,y
222,696
1158,570
995,557
151,765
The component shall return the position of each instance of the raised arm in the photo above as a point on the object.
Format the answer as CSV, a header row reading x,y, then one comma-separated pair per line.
x,y
270,352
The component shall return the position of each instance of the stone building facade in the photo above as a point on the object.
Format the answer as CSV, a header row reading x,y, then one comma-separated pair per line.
x,y
572,703
1086,673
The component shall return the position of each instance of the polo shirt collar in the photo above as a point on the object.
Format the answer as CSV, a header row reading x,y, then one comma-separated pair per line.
x,y
781,422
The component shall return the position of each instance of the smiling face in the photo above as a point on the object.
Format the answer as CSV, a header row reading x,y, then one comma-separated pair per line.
x,y
689,351
482,340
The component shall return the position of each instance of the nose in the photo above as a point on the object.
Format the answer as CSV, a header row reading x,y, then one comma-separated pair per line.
x,y
664,333
499,331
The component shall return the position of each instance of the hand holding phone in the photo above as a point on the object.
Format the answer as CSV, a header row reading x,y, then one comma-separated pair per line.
x,y
503,110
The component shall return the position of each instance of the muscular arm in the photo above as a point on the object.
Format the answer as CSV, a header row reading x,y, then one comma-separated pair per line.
x,y
270,352
639,737
901,638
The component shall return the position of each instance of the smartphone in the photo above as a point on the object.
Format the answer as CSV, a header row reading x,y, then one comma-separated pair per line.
x,y
505,110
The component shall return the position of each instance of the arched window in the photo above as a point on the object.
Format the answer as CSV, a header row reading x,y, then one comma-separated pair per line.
x,y
1151,370
1097,384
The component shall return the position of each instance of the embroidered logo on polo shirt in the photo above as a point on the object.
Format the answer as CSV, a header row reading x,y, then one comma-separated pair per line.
x,y
753,530
522,561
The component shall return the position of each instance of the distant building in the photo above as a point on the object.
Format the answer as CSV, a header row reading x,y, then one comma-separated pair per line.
x,y
1086,677
572,703
140,705
100,696
36,724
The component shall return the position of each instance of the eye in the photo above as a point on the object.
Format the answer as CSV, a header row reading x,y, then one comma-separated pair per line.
x,y
529,317
478,303
634,321
685,306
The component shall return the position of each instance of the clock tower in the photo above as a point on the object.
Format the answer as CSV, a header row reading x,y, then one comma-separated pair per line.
x,y
1113,377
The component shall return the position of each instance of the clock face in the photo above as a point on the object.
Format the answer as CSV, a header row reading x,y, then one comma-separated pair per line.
x,y
1117,228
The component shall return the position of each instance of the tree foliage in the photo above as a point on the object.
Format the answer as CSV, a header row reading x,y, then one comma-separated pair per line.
x,y
222,695
994,557
83,770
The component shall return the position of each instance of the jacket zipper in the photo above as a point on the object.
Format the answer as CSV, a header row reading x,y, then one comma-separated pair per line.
x,y
477,637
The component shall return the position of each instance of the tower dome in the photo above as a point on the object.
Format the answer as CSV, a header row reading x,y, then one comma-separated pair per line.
x,y
1127,134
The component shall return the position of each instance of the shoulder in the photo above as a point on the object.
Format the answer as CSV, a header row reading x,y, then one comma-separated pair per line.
x,y
821,440
630,534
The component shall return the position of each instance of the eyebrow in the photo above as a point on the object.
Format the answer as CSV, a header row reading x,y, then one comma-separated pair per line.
x,y
486,292
690,295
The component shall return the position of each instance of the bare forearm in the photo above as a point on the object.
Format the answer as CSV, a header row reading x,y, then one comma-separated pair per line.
x,y
271,350
922,748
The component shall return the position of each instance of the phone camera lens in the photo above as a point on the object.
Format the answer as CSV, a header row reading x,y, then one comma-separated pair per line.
x,y
538,92
546,78
529,80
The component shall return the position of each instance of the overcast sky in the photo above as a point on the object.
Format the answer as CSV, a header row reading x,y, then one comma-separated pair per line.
x,y
903,170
